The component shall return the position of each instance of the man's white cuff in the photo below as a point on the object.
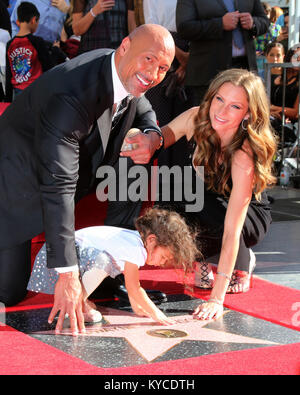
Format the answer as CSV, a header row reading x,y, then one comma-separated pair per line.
x,y
62,270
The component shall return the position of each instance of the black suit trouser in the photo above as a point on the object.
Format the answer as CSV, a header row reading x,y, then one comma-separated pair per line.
x,y
15,268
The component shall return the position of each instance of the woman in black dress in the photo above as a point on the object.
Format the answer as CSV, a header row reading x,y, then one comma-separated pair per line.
x,y
234,143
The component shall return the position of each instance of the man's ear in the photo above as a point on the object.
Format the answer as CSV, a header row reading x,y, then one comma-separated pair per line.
x,y
18,22
125,46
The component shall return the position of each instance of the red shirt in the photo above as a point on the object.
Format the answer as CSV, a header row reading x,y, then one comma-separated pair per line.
x,y
24,62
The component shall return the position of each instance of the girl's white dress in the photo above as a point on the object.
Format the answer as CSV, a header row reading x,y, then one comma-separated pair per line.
x,y
111,246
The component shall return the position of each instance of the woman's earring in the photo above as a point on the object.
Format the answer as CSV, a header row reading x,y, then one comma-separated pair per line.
x,y
245,124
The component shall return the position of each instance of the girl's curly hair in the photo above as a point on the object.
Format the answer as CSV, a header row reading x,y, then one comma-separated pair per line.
x,y
171,231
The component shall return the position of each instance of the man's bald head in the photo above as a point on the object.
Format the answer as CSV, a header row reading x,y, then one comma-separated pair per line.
x,y
155,33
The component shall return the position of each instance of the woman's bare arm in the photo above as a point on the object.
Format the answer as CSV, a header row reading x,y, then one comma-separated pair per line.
x,y
183,125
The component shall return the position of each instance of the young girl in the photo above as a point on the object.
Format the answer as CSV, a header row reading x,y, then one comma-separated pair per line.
x,y
162,238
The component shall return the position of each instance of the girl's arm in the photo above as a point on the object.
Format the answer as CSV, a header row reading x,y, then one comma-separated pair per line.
x,y
242,174
137,309
140,297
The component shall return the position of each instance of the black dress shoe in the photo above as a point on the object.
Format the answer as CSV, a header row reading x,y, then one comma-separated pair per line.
x,y
157,297
115,287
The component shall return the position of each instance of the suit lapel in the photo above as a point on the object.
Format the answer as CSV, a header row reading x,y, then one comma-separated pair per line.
x,y
105,94
104,126
104,110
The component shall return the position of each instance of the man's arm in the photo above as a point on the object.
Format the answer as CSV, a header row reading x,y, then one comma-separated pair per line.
x,y
145,117
260,21
57,152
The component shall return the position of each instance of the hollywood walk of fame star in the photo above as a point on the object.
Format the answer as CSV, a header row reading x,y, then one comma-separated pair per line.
x,y
138,331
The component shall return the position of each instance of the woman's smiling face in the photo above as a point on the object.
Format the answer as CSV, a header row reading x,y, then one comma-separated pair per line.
x,y
228,109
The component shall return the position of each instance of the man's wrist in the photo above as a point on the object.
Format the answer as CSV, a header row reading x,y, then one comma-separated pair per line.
x,y
68,269
160,139
254,29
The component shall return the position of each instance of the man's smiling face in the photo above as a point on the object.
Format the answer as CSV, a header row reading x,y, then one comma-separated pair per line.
x,y
144,61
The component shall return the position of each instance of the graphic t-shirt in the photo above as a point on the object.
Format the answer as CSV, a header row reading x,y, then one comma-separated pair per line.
x,y
24,62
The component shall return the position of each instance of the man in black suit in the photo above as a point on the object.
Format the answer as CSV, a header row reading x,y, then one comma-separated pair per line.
x,y
221,35
61,128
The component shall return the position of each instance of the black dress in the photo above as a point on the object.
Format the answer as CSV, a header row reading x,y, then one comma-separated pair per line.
x,y
291,93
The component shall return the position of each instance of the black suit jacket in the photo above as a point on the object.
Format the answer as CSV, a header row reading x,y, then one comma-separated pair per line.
x,y
200,22
43,135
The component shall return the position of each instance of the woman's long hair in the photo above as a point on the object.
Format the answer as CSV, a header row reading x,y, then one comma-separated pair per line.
x,y
209,152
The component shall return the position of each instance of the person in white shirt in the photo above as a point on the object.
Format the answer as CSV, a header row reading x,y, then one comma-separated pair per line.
x,y
164,13
162,238
161,12
4,38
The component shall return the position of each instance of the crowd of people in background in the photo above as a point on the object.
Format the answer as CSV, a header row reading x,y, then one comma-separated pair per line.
x,y
78,26
273,47
63,29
